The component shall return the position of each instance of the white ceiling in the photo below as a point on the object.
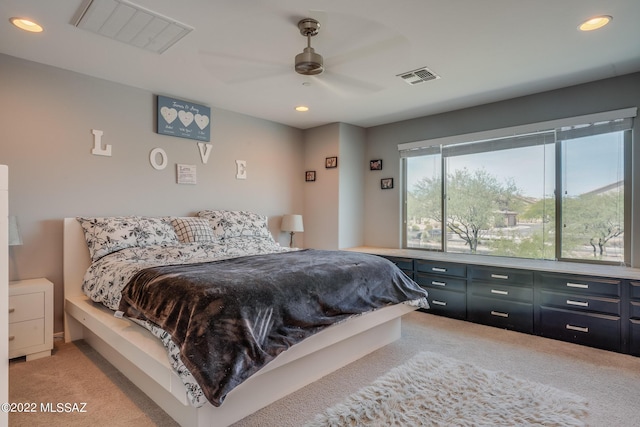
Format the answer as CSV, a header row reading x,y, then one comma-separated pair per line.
x,y
240,55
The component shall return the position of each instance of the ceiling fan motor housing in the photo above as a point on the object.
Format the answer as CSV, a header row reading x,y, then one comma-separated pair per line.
x,y
309,62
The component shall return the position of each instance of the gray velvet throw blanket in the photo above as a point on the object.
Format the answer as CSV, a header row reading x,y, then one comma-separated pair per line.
x,y
230,318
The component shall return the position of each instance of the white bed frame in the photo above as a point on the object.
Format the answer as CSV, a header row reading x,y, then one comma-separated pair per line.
x,y
142,358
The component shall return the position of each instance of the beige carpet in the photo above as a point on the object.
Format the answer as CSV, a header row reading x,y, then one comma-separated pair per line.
x,y
433,390
76,373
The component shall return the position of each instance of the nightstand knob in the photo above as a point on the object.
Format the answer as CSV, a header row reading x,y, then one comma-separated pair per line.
x,y
11,310
12,337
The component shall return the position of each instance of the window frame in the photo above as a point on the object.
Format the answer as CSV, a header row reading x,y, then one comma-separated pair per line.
x,y
419,148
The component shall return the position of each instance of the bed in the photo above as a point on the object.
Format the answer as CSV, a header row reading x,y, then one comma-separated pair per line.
x,y
139,354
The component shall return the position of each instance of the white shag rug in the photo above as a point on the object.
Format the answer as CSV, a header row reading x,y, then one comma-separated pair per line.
x,y
433,390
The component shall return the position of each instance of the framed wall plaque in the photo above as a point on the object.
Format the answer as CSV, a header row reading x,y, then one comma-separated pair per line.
x,y
183,119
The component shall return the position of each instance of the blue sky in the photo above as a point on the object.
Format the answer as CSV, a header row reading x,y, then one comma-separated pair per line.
x,y
590,163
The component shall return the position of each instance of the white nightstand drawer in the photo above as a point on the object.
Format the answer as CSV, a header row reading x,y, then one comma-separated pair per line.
x,y
23,335
26,307
31,318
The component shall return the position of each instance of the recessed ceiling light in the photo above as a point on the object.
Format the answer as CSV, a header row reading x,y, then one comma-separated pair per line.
x,y
302,108
595,23
26,24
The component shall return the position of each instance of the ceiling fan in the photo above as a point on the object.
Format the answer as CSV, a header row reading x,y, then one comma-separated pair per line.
x,y
309,63
237,68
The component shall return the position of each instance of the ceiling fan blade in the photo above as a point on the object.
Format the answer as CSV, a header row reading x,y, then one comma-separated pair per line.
x,y
236,69
344,86
368,51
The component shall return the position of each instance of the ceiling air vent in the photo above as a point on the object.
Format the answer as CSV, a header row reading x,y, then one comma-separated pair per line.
x,y
420,75
130,24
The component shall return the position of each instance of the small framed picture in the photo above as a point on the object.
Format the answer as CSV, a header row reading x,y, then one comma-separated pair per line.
x,y
375,165
331,162
310,176
386,183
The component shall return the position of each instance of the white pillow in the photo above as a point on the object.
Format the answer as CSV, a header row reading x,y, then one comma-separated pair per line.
x,y
105,235
229,224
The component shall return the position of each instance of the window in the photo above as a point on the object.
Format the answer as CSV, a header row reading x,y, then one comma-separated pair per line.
x,y
556,193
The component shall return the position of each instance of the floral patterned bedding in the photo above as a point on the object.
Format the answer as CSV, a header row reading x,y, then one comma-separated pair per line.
x,y
124,247
105,279
121,246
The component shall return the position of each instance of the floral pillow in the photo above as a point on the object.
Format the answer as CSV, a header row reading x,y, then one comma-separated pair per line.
x,y
155,231
191,229
229,224
105,235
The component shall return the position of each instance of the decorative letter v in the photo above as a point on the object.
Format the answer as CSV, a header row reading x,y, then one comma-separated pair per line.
x,y
205,150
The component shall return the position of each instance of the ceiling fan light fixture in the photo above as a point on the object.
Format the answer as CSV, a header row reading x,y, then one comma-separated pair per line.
x,y
309,63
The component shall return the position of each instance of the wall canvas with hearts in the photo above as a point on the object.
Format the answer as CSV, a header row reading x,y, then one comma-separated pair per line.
x,y
183,119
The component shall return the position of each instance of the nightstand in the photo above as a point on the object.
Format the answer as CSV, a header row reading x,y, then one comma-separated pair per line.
x,y
30,318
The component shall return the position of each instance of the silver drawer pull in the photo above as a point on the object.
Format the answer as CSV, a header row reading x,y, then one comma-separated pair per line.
x,y
578,303
12,337
499,276
577,285
436,302
499,292
499,314
11,310
577,328
438,269
433,282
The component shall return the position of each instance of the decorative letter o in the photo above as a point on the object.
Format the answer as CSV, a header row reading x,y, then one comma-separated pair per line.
x,y
152,158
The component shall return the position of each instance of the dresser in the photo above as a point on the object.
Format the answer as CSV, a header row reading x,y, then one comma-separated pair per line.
x,y
30,318
587,304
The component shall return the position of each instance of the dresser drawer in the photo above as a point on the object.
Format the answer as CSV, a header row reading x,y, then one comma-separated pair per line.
x,y
447,303
634,310
580,302
26,307
634,337
595,330
513,315
502,292
441,282
502,275
405,264
441,268
634,290
23,335
580,284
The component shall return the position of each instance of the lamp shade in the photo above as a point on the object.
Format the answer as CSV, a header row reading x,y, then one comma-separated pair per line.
x,y
292,223
15,239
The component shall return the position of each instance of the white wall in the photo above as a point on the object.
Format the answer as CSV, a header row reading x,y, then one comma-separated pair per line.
x,y
47,115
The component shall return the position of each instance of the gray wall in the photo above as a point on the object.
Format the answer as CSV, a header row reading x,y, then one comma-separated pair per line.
x,y
46,140
321,196
383,213
350,188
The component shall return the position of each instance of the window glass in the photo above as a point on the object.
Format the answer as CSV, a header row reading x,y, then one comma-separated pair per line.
x,y
424,202
593,198
550,194
501,202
